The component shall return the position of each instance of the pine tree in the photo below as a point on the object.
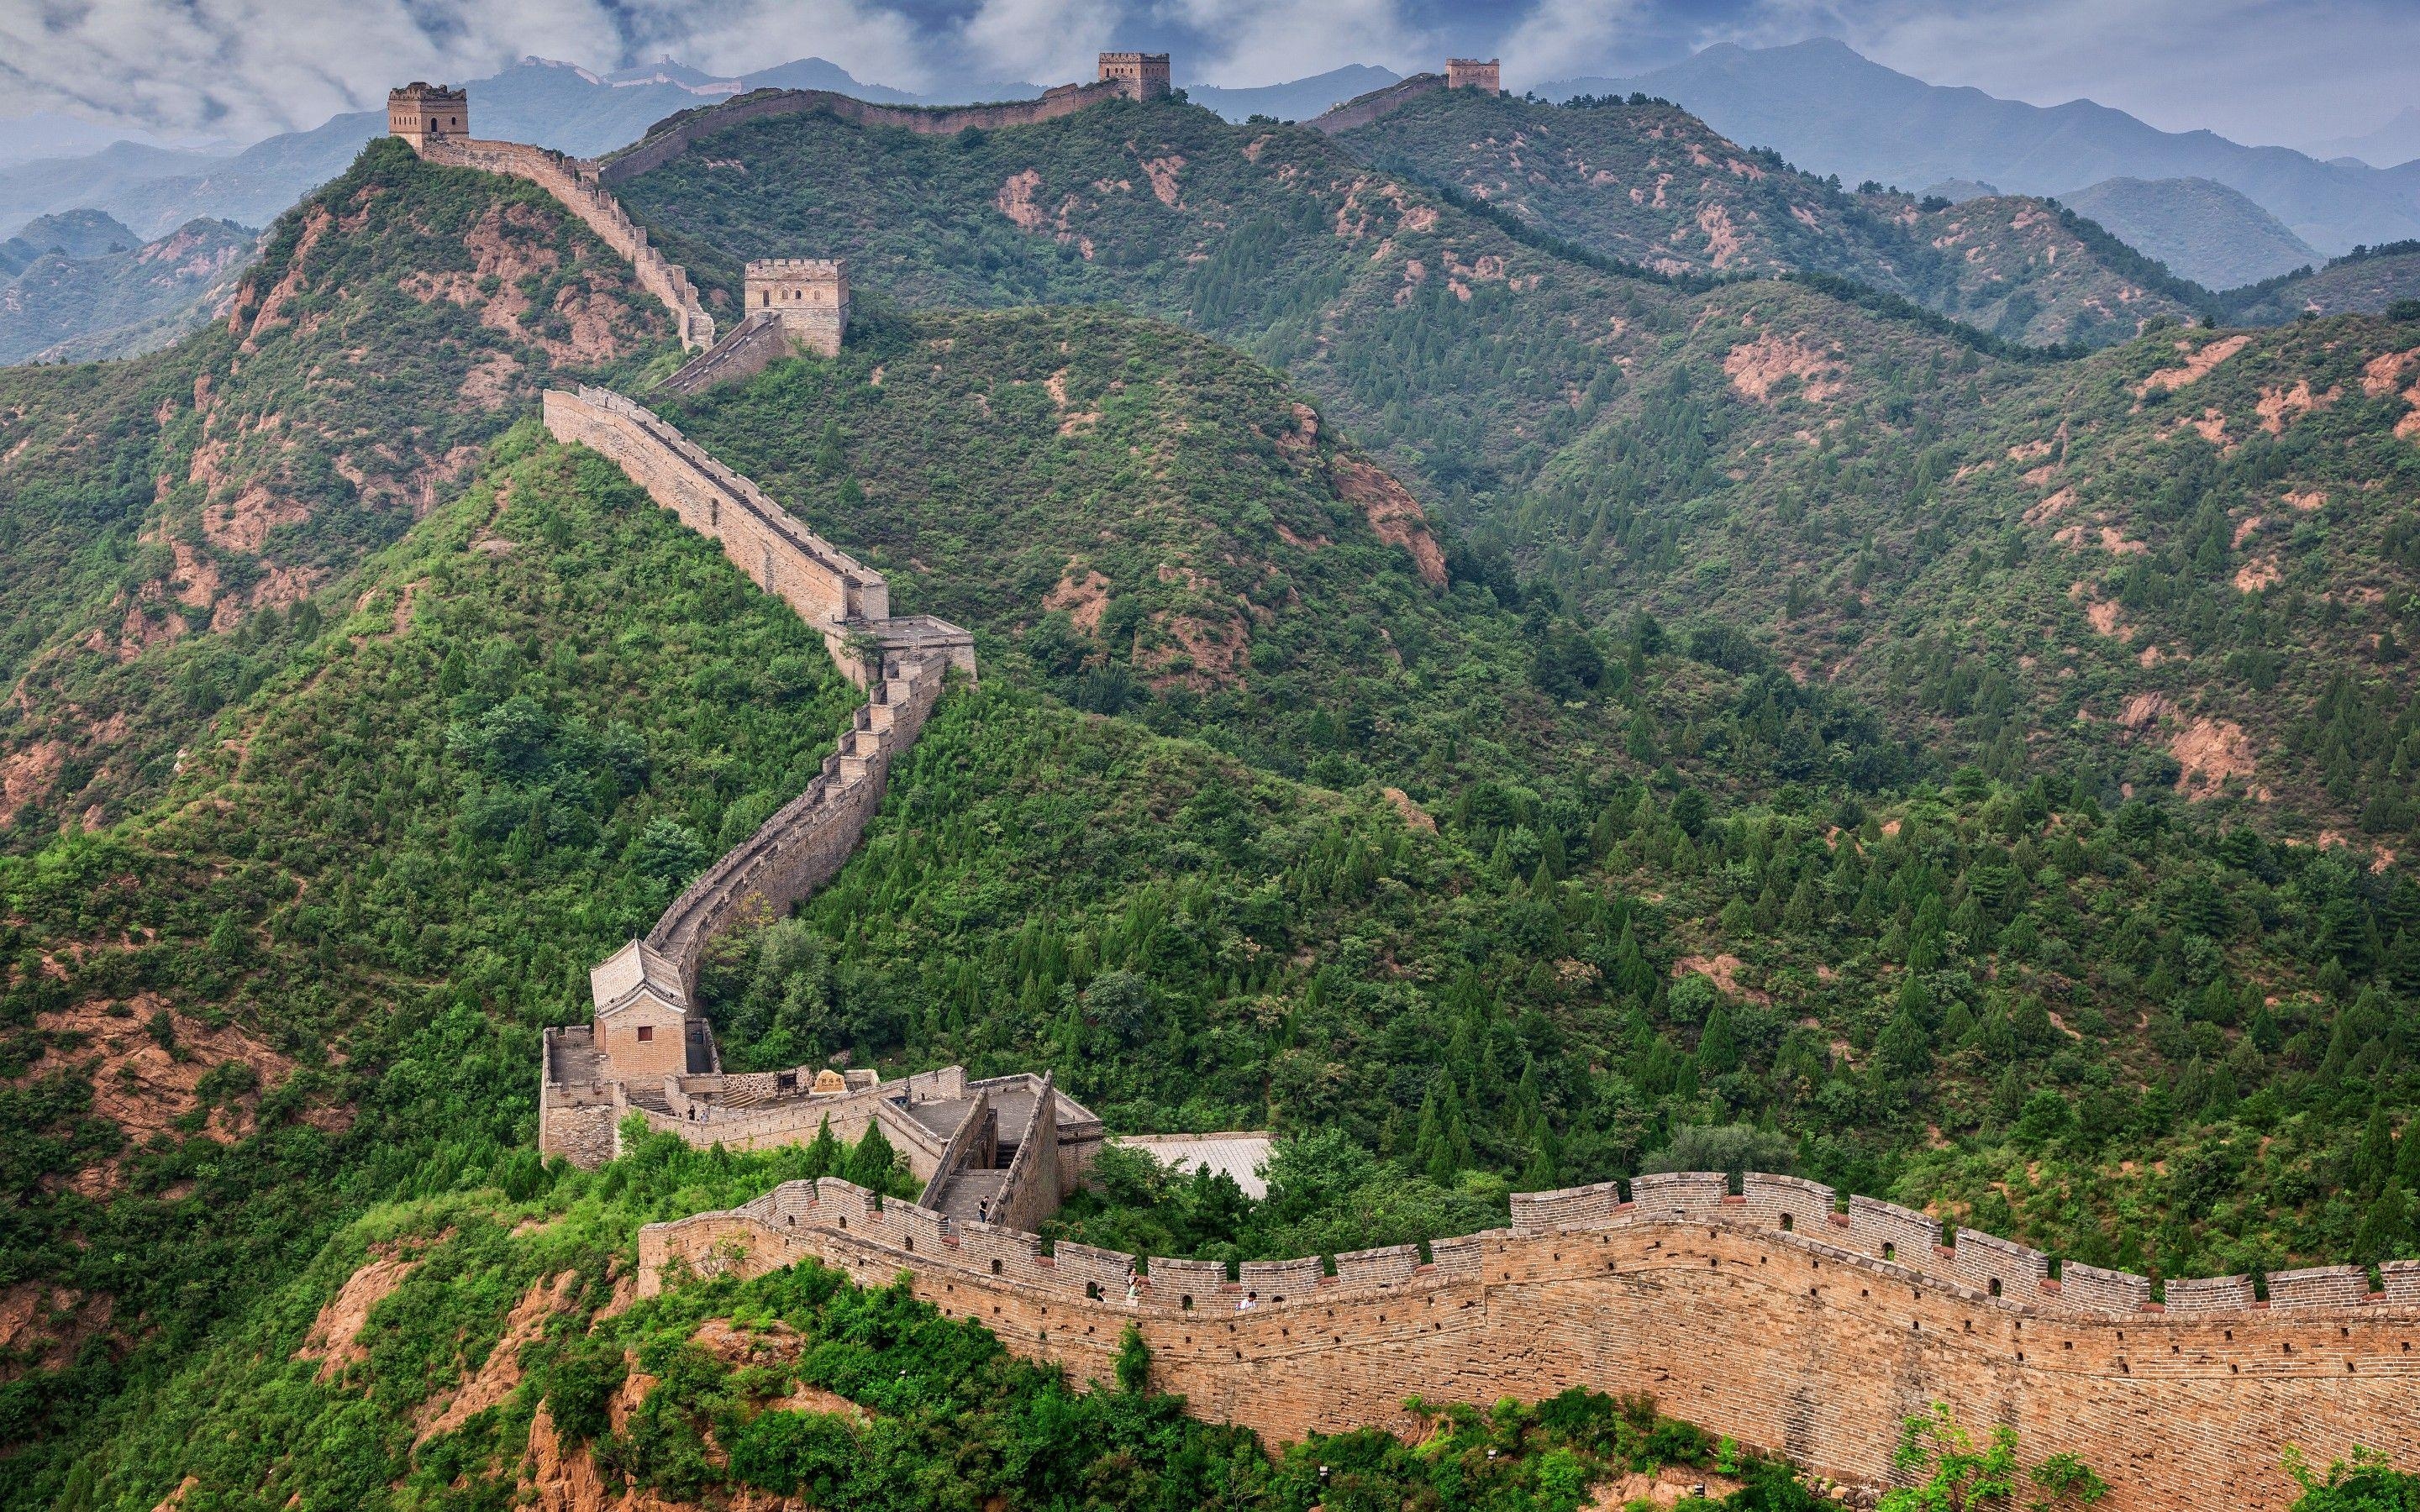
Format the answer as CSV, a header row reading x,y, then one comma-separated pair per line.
x,y
2385,1232
870,1164
2373,1163
1718,1045
825,1155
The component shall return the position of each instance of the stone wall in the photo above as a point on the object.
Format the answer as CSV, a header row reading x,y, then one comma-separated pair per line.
x,y
1363,109
669,138
1778,1337
566,181
753,345
822,582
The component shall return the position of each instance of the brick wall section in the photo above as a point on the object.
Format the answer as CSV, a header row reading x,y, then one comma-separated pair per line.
x,y
1031,1190
1584,1207
822,582
1999,1267
2403,1278
1204,1281
599,211
673,135
2321,1286
1679,1193
1807,1205
1388,1267
2216,1294
2090,1289
1786,1343
1885,1230
753,345
1270,1282
1363,109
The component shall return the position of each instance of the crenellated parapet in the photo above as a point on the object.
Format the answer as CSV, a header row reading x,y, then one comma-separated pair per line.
x,y
1772,1312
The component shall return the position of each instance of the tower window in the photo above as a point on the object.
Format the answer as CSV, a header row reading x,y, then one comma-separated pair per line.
x,y
646,1034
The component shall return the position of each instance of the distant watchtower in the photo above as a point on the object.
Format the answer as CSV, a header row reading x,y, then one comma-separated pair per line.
x,y
419,110
1138,75
1474,74
810,294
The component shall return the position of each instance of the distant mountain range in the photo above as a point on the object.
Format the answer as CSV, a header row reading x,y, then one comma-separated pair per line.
x,y
2199,227
2391,146
1831,111
81,286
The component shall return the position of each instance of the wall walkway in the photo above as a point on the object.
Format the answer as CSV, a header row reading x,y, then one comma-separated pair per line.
x,y
1363,109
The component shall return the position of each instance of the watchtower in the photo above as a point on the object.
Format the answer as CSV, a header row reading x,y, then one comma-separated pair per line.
x,y
1474,74
419,110
1138,75
810,294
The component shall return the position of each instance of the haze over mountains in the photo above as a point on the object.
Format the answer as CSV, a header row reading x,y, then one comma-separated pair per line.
x,y
1831,111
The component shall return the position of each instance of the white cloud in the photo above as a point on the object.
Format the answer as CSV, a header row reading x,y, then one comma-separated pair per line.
x,y
1250,42
1041,42
1567,39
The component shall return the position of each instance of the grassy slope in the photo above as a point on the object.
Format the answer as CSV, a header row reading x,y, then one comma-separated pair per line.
x,y
1654,185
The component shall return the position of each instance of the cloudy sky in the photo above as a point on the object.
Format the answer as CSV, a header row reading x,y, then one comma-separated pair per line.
x,y
2257,70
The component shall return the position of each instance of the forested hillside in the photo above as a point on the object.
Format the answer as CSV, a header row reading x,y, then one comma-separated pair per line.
x,y
1649,183
1548,724
396,323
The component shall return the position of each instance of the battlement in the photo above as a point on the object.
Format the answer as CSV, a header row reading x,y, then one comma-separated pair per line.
x,y
808,294
1748,1305
1474,74
1138,75
418,112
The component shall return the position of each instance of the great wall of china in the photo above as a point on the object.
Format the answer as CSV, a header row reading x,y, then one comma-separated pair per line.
x,y
1782,1314
1767,1316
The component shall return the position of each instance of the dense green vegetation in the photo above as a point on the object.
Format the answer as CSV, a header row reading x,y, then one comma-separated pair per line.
x,y
380,875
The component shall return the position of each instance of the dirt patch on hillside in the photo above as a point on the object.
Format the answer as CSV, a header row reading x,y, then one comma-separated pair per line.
x,y
1392,513
1214,649
1722,238
2278,404
2381,376
2051,508
43,1326
501,1372
2196,365
2305,503
1668,1487
1414,817
1163,180
1083,592
144,1086
334,1339
2213,750
244,523
27,774
1756,367
2258,575
1015,200
1723,971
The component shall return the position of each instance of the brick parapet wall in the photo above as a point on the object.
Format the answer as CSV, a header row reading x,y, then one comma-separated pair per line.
x,y
667,139
752,345
564,178
1786,1343
1363,109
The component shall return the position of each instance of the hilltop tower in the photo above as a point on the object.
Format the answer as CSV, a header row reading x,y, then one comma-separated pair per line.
x,y
1474,74
810,294
420,111
1138,75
